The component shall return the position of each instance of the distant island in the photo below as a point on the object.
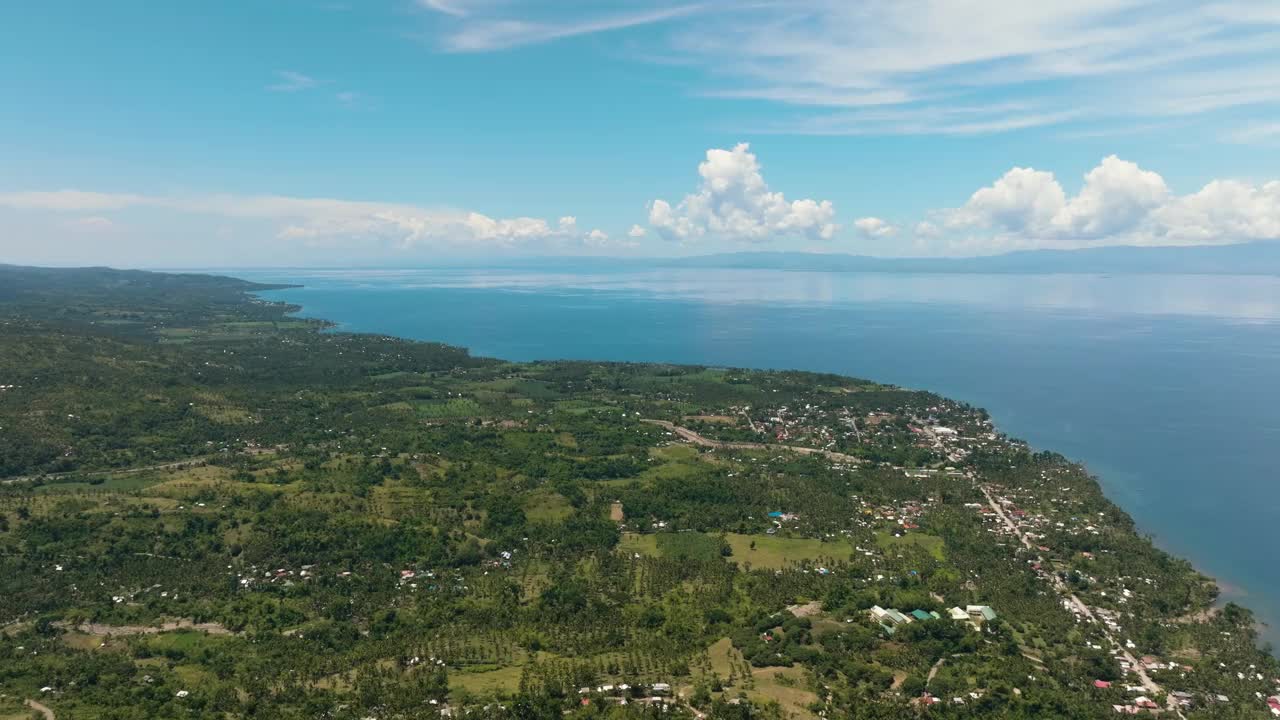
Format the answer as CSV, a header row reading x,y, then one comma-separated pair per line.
x,y
1250,258
211,508
1255,258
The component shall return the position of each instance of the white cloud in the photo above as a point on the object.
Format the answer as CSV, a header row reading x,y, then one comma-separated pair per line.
x,y
1260,133
448,7
1117,195
489,27
91,223
733,202
1119,203
636,232
1222,211
70,200
874,227
289,81
317,219
925,66
926,230
1024,200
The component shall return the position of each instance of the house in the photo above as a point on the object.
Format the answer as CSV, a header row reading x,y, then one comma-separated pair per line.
x,y
661,688
922,615
958,614
888,616
1101,684
980,613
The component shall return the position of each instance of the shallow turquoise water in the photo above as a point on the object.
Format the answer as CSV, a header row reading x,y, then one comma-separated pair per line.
x,y
1167,387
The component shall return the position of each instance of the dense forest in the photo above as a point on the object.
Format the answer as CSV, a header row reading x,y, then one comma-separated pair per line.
x,y
210,508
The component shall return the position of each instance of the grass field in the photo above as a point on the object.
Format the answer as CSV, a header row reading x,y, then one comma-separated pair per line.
x,y
688,546
931,544
482,683
635,543
771,551
787,687
547,506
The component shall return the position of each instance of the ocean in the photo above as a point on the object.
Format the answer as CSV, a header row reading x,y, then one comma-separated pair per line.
x,y
1166,387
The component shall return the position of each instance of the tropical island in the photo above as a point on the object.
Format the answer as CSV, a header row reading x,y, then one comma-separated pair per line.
x,y
212,508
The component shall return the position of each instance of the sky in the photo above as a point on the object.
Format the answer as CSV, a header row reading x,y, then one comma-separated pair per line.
x,y
402,132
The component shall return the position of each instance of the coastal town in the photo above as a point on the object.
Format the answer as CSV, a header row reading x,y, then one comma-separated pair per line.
x,y
305,523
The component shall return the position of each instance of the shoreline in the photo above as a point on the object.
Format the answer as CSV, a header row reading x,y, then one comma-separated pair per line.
x,y
1225,590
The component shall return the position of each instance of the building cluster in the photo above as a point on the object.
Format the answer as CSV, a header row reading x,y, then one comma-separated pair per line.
x,y
890,618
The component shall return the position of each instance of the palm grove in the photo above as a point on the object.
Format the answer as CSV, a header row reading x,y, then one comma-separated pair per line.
x,y
212,508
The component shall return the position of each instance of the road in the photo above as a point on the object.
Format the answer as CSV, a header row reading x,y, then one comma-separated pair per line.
x,y
178,465
211,628
696,439
1150,685
43,710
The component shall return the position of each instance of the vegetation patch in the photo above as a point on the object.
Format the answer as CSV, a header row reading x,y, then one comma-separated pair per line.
x,y
771,551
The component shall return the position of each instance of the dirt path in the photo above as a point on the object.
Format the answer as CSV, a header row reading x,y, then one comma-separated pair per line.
x,y
42,709
693,437
933,671
123,630
178,465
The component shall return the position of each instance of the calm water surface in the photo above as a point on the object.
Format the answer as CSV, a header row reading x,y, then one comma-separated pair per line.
x,y
1166,387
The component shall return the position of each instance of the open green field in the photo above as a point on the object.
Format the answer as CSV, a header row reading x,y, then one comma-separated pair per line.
x,y
771,551
546,506
635,543
502,680
931,544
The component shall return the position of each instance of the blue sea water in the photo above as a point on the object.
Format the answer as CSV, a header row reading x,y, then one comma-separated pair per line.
x,y
1166,387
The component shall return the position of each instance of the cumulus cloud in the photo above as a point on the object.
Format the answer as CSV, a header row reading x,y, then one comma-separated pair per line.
x,y
733,202
636,232
874,227
1119,203
1116,197
1223,210
318,219
1023,200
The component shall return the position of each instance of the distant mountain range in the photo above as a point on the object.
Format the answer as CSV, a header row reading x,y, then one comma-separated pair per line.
x,y
1256,258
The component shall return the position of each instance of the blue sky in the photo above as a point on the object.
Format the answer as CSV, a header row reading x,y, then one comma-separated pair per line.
x,y
303,132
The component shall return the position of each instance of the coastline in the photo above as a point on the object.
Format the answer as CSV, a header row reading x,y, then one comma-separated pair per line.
x,y
1226,593
1270,633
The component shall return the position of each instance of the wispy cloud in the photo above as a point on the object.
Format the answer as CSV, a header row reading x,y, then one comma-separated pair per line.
x,y
497,29
1261,133
288,81
456,8
1080,61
